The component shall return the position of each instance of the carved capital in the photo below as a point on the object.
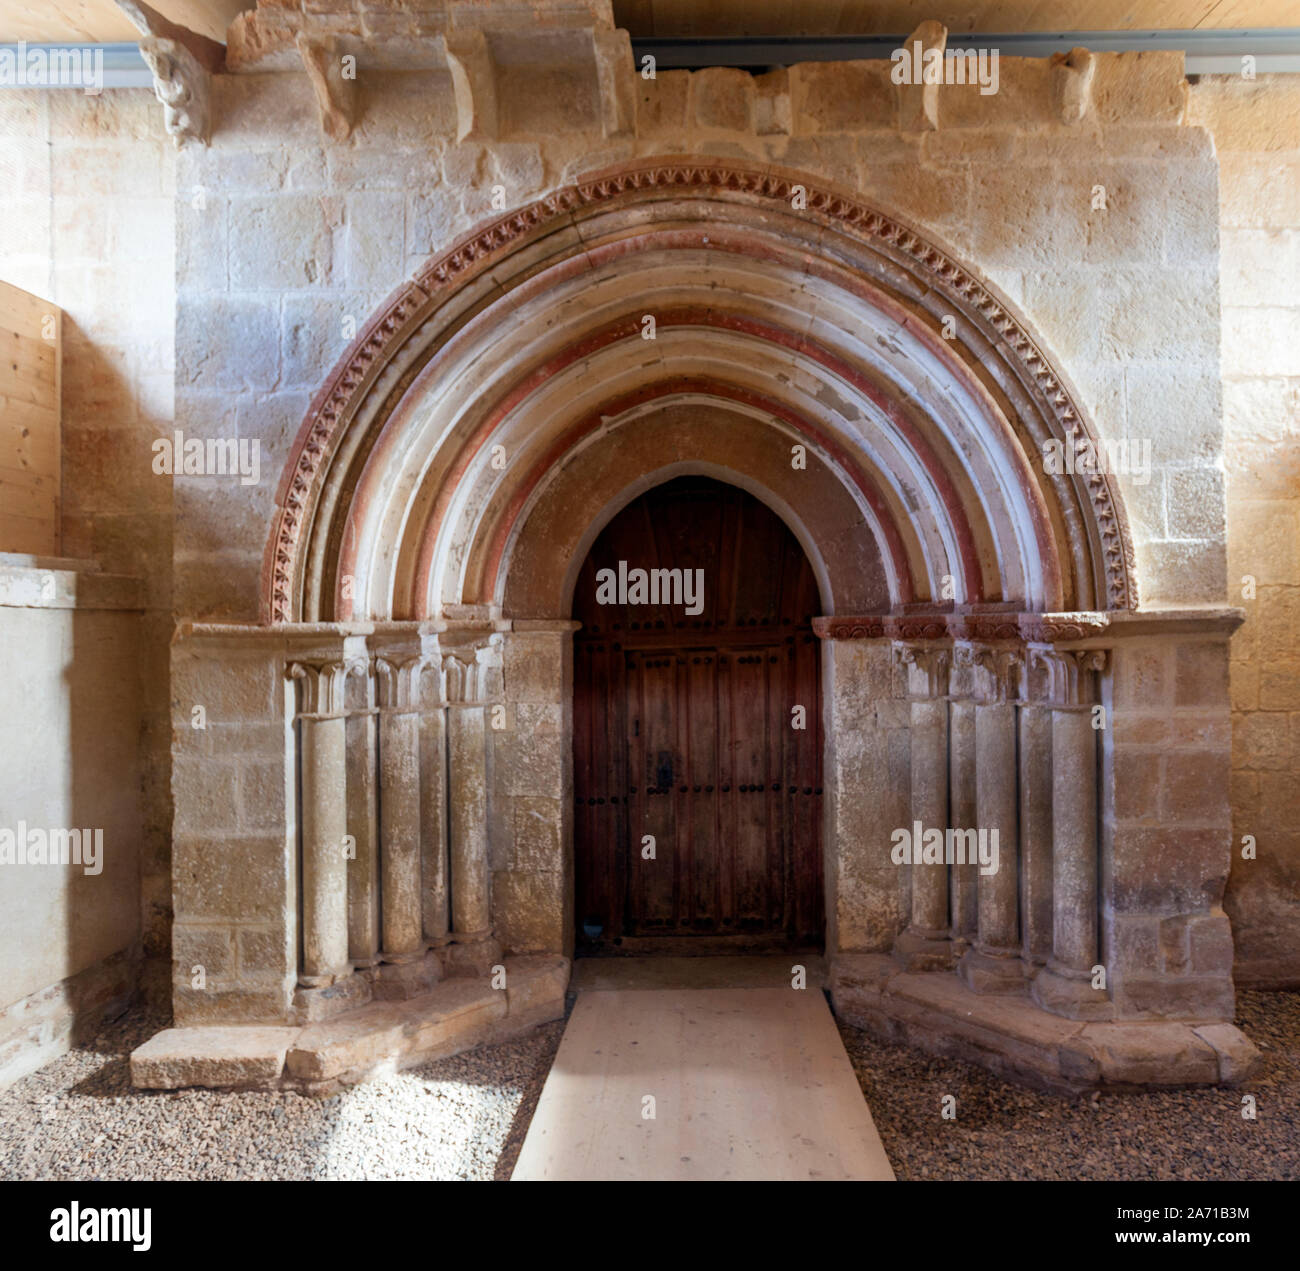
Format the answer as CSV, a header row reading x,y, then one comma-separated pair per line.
x,y
993,671
1065,677
472,675
324,684
927,668
399,679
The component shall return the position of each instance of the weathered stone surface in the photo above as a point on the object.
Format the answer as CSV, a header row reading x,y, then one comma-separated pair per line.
x,y
214,1057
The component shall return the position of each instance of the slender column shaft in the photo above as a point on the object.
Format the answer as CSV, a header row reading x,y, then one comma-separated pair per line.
x,y
324,863
436,896
363,825
399,819
467,800
995,795
964,879
1074,834
930,808
1036,831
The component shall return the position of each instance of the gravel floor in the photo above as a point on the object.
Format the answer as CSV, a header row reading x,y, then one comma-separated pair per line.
x,y
465,1118
1006,1131
460,1118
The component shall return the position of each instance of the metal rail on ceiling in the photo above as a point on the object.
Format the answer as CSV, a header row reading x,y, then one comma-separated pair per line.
x,y
1274,49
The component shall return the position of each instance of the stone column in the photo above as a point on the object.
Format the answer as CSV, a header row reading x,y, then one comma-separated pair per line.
x,y
924,944
1035,822
397,669
963,879
467,675
435,866
992,964
324,819
1064,986
363,824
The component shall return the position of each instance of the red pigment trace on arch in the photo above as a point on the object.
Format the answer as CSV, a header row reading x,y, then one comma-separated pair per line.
x,y
628,184
675,386
629,328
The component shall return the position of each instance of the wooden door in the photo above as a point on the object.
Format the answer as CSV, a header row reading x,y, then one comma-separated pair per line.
x,y
698,799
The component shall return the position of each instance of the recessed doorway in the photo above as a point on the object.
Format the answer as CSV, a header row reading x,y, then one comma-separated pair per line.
x,y
697,730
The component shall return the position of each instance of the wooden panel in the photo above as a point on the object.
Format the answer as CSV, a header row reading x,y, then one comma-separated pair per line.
x,y
775,18
708,762
102,22
31,342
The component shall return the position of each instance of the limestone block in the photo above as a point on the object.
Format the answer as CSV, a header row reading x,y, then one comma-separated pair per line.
x,y
1161,867
527,911
1170,997
1239,1057
519,167
722,97
1209,938
459,1011
1201,675
236,879
535,983
282,243
245,357
1196,788
359,1040
212,948
213,1057
536,840
537,765
839,97
661,105
1157,1054
1151,87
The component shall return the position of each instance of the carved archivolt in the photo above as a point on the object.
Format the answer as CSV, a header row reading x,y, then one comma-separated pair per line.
x,y
1049,397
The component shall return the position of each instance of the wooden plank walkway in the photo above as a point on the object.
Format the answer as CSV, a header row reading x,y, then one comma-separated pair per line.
x,y
702,1084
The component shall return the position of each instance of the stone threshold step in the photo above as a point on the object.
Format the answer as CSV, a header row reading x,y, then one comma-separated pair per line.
x,y
458,1014
1009,1034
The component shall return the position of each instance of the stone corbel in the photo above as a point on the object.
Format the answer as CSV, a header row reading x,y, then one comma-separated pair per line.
x,y
474,80
616,78
1072,74
927,668
918,102
180,61
336,94
325,684
1069,675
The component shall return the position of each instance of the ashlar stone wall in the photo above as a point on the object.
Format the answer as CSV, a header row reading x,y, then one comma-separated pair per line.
x,y
1256,131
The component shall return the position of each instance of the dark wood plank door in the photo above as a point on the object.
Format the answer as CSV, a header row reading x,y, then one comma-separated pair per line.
x,y
698,802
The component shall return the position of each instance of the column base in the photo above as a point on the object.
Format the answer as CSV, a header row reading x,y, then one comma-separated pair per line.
x,y
473,953
1069,993
992,970
1019,1041
921,950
